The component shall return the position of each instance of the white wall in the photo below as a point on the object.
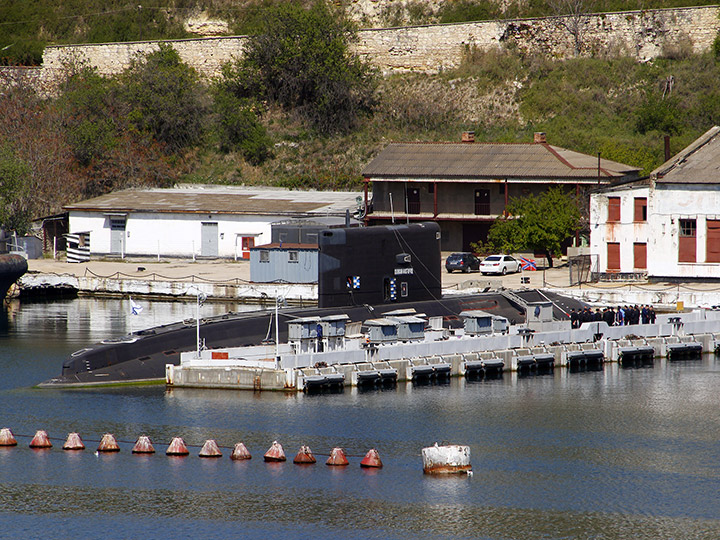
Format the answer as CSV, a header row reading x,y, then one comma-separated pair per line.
x,y
173,235
667,204
626,231
670,203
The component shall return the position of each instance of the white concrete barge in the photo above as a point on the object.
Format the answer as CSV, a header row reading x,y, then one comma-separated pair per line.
x,y
406,346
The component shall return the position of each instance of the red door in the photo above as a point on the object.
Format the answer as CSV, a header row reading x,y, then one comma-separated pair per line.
x,y
247,243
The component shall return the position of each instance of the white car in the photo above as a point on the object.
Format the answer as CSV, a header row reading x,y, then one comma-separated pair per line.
x,y
499,264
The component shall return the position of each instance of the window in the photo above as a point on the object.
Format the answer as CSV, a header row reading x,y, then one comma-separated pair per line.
x,y
431,188
292,256
613,256
640,213
613,209
686,242
713,241
264,256
640,255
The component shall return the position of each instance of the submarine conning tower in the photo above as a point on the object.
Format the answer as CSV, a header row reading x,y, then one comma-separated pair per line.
x,y
382,264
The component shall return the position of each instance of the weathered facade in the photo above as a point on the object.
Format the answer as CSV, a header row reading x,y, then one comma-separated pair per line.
x,y
466,186
198,221
667,226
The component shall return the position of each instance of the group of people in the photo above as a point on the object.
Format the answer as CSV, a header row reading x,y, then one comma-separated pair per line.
x,y
620,316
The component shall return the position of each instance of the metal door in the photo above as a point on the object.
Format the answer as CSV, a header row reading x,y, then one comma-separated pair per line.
x,y
209,240
117,235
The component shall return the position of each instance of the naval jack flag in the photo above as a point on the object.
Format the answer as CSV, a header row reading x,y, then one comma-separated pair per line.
x,y
135,309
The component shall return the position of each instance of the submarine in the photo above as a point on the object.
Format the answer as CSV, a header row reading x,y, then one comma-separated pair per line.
x,y
363,272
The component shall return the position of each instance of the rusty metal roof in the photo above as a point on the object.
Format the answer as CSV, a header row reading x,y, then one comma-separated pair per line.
x,y
490,160
699,163
222,200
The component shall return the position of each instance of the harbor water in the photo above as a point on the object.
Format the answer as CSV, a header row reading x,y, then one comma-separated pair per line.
x,y
610,454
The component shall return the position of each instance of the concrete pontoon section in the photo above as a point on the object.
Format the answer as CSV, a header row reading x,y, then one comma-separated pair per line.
x,y
362,361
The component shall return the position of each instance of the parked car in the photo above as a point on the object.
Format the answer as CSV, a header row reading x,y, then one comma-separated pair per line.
x,y
465,262
499,264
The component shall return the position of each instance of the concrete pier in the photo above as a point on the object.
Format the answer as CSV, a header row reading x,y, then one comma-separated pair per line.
x,y
592,343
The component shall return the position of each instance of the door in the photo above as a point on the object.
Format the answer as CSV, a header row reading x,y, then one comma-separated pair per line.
x,y
117,235
209,240
482,202
413,200
247,243
613,256
713,241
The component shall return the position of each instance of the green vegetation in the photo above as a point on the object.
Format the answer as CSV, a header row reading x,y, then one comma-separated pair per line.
x,y
301,112
535,223
300,61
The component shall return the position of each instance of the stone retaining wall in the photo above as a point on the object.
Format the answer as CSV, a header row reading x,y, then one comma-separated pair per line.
x,y
641,34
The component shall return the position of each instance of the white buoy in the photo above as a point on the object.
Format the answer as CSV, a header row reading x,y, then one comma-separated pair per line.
x,y
449,459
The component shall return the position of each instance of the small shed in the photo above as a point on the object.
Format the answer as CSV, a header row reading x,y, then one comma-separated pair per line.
x,y
303,334
333,331
281,262
478,322
382,330
409,327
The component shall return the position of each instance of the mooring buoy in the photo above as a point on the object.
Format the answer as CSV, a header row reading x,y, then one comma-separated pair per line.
x,y
304,456
371,459
210,449
108,444
40,440
143,446
240,452
337,458
73,442
275,452
7,438
177,448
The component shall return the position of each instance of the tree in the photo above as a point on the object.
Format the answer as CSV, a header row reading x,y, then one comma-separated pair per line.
x,y
572,16
537,222
14,189
164,98
301,61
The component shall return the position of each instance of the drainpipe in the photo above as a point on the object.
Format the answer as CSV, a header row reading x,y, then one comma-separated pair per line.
x,y
366,219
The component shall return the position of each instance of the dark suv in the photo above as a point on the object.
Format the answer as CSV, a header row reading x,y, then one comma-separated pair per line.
x,y
465,262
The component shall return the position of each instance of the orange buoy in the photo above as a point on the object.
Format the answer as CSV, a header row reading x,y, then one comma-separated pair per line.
x,y
143,446
371,459
40,440
304,456
210,449
177,448
275,452
240,452
337,458
7,438
73,442
108,444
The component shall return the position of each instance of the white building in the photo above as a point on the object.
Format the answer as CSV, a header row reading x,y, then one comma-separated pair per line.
x,y
666,226
204,221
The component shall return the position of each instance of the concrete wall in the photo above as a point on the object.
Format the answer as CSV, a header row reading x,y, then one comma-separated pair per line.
x,y
641,34
170,235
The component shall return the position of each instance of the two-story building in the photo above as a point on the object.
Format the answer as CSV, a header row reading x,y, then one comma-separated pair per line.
x,y
666,226
465,186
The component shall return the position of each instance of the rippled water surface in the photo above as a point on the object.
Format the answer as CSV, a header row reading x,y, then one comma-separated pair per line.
x,y
603,455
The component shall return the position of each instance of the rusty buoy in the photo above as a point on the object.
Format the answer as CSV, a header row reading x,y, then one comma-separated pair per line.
x,y
304,456
448,459
240,452
275,452
108,444
210,449
371,459
177,448
7,438
73,442
337,458
40,440
143,446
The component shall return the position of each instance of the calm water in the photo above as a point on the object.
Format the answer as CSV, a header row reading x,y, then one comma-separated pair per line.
x,y
602,455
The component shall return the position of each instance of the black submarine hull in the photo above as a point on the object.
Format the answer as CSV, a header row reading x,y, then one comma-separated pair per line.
x,y
142,356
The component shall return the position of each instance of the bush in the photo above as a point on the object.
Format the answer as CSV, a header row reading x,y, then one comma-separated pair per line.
x,y
302,62
165,98
238,127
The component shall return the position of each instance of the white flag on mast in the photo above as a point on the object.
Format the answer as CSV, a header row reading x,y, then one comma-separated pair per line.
x,y
135,309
